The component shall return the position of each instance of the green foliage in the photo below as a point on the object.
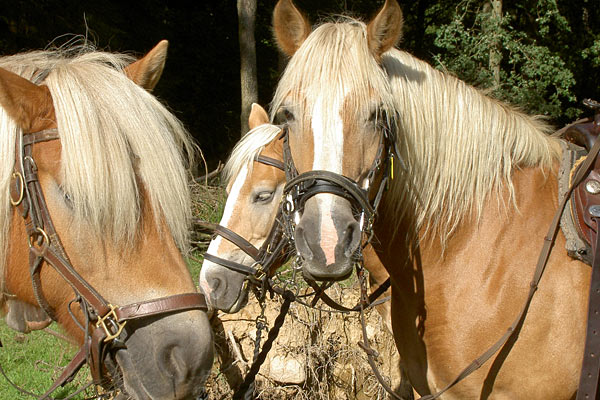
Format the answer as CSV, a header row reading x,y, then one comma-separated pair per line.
x,y
593,53
531,75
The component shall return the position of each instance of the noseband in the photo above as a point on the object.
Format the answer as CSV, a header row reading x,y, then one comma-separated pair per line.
x,y
300,187
104,322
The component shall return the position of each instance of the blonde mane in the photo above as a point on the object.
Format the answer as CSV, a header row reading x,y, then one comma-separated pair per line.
x,y
334,58
458,144
121,147
251,145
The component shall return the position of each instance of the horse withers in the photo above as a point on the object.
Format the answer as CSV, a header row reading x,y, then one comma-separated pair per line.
x,y
473,193
95,167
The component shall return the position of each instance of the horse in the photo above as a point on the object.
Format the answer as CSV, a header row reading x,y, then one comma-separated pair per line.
x,y
254,194
96,209
472,190
251,209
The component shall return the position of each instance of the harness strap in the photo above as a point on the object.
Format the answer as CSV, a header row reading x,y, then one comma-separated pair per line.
x,y
170,304
270,161
590,369
245,389
233,237
371,301
310,184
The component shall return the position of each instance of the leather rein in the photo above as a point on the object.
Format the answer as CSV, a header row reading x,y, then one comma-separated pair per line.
x,y
104,328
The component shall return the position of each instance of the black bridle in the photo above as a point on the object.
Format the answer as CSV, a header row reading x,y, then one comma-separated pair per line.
x,y
104,327
300,187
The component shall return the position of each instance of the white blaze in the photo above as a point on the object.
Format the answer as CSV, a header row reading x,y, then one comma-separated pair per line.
x,y
214,245
328,155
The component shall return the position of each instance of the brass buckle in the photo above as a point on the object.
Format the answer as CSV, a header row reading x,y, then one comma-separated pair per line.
x,y
22,187
101,323
260,272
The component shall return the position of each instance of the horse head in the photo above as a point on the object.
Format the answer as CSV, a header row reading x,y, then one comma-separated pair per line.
x,y
335,102
254,191
106,206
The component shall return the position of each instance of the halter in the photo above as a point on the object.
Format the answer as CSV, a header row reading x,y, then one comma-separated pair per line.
x,y
300,187
104,328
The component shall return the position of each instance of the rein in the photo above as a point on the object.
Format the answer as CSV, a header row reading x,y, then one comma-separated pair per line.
x,y
105,330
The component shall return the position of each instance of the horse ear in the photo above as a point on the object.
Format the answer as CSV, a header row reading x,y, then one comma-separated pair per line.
x,y
385,30
28,104
290,26
147,70
258,116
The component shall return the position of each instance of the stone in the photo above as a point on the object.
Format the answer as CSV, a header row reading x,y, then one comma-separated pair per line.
x,y
287,370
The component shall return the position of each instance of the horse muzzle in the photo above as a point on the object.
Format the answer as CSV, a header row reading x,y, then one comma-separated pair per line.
x,y
327,238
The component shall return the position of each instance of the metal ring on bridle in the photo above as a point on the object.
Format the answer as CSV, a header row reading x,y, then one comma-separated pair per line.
x,y
39,232
21,189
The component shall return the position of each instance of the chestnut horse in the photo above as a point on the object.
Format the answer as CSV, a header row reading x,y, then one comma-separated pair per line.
x,y
251,209
473,193
110,165
254,195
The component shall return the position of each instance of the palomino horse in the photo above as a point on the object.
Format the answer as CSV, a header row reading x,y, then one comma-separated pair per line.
x,y
251,209
95,165
460,228
254,193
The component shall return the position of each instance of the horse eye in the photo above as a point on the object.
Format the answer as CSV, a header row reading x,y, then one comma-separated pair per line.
x,y
263,197
284,115
68,199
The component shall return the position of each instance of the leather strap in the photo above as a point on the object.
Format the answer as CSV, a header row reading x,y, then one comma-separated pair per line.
x,y
590,369
171,304
233,237
370,301
270,161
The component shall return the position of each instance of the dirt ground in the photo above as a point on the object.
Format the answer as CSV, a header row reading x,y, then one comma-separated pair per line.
x,y
316,355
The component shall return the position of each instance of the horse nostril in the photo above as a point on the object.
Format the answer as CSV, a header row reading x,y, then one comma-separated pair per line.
x,y
173,362
302,243
351,238
214,283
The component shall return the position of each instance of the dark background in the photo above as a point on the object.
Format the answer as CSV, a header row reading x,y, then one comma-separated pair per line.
x,y
201,81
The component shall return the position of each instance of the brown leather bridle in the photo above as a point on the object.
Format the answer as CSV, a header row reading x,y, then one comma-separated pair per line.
x,y
104,322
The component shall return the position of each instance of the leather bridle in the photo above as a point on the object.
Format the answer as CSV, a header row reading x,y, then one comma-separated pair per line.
x,y
300,187
104,327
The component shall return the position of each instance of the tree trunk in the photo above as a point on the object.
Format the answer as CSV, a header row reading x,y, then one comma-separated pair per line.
x,y
246,19
494,9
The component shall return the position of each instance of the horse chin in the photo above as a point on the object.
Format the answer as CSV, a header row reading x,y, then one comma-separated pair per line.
x,y
239,303
337,271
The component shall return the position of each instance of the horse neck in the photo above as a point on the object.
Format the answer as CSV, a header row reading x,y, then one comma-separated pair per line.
x,y
534,198
459,145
